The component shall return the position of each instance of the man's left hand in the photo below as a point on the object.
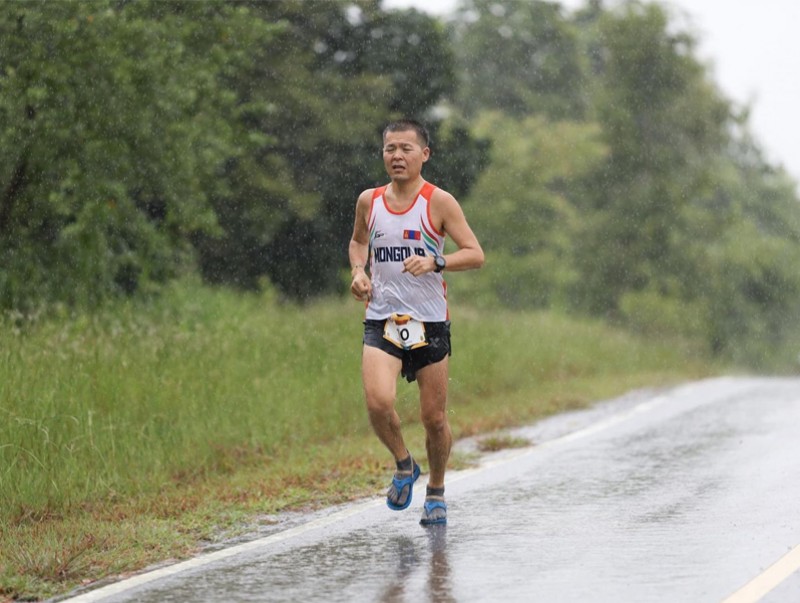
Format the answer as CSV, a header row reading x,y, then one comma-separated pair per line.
x,y
417,265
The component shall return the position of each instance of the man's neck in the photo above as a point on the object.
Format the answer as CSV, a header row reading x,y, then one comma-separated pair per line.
x,y
406,188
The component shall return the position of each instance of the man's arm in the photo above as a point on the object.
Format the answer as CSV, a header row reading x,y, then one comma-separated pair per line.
x,y
449,218
469,254
361,286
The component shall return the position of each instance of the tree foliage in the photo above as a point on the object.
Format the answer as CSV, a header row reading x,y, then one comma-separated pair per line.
x,y
671,191
335,76
600,166
518,57
114,132
523,209
661,121
142,139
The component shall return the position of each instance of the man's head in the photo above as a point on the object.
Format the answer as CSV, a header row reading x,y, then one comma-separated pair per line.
x,y
405,149
412,125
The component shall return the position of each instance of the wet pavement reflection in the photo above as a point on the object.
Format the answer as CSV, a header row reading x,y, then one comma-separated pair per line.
x,y
683,495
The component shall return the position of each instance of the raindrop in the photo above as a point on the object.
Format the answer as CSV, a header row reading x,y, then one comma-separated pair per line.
x,y
340,56
471,16
498,10
354,15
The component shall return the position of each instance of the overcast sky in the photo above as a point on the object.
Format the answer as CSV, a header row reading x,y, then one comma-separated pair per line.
x,y
754,52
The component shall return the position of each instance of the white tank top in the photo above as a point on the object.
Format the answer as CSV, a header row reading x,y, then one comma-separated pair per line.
x,y
394,236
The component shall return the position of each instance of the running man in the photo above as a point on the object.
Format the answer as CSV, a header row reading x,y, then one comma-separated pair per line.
x,y
399,238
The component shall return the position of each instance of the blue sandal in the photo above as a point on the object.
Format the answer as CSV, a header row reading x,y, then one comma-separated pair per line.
x,y
434,511
401,481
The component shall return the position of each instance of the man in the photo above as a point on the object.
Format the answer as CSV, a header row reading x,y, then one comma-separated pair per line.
x,y
399,235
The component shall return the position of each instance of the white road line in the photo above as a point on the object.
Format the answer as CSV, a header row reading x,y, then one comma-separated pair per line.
x,y
206,559
759,586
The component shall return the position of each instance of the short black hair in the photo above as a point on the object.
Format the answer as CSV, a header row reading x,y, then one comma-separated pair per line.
x,y
406,124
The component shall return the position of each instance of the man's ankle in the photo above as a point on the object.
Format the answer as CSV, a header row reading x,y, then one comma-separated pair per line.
x,y
437,492
407,464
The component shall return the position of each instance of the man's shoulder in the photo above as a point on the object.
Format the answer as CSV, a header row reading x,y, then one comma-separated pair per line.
x,y
367,195
440,193
371,193
442,198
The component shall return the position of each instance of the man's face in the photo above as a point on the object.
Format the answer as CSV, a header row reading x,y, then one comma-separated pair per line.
x,y
403,155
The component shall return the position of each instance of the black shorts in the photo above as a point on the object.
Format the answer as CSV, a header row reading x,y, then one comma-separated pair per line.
x,y
437,333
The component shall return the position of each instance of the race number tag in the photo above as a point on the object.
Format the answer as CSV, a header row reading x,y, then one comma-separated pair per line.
x,y
405,332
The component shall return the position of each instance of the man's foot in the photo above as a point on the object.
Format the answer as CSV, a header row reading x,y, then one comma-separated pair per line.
x,y
398,496
434,511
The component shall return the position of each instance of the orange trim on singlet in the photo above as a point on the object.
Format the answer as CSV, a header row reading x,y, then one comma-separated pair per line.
x,y
410,206
429,199
377,192
426,192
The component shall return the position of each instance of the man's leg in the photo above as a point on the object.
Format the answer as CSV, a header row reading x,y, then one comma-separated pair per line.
x,y
438,439
379,372
433,411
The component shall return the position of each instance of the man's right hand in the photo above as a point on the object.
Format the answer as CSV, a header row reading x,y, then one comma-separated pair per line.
x,y
361,287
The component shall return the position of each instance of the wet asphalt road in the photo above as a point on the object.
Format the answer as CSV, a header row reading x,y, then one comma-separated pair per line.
x,y
675,496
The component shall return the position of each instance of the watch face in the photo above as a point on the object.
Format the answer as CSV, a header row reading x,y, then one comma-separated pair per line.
x,y
440,263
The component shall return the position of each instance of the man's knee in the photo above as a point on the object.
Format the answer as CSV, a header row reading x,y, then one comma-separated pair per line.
x,y
379,403
434,420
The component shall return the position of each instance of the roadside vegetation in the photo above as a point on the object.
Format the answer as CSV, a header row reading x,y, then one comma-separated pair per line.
x,y
177,184
144,431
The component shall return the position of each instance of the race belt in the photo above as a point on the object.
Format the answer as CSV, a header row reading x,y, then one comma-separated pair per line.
x,y
405,332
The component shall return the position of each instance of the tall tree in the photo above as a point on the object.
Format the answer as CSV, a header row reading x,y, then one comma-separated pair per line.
x,y
688,229
309,112
524,208
114,130
743,244
520,57
660,119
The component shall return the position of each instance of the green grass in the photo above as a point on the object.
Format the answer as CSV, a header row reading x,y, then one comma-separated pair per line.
x,y
493,443
137,434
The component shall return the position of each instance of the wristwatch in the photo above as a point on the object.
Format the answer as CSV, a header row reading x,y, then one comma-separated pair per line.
x,y
439,263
